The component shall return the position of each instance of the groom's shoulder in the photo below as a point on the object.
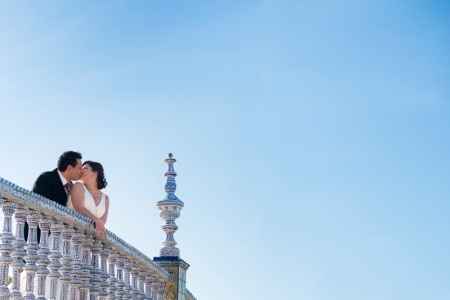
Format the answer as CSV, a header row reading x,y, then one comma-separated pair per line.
x,y
47,175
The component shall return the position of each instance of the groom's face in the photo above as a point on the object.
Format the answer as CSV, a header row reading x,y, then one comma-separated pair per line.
x,y
75,171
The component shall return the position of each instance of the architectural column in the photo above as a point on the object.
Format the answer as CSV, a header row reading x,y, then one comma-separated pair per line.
x,y
43,260
6,247
31,257
66,261
19,251
55,256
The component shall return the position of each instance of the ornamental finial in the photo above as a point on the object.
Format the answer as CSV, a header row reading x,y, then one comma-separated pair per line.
x,y
171,185
170,208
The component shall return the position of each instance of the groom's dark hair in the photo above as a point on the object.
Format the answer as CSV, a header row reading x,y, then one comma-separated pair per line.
x,y
68,158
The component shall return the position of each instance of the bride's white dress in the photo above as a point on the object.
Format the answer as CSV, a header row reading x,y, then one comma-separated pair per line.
x,y
89,202
97,210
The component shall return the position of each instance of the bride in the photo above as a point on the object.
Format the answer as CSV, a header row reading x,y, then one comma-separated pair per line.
x,y
87,198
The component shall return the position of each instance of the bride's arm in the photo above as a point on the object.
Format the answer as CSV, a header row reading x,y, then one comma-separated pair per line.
x,y
101,222
105,215
77,196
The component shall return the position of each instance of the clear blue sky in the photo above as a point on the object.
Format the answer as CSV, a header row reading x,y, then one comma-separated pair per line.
x,y
312,136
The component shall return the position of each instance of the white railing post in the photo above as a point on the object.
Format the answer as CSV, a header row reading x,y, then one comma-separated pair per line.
x,y
55,256
31,257
148,286
86,245
75,284
155,289
104,253
112,275
43,261
66,261
160,291
119,283
126,279
134,282
19,251
141,286
95,271
6,247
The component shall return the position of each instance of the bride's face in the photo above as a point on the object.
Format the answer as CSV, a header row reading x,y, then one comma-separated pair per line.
x,y
87,174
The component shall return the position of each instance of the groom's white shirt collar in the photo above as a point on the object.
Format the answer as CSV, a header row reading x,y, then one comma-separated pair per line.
x,y
63,180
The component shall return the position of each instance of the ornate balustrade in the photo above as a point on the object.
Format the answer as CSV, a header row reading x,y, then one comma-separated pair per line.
x,y
69,263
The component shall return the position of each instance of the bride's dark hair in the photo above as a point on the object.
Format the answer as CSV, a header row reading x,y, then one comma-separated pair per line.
x,y
98,168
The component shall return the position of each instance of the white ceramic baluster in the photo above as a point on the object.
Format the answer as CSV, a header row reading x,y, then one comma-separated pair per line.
x,y
104,254
43,261
112,275
31,257
55,256
66,261
119,283
141,277
86,245
127,279
134,282
148,286
95,271
155,289
75,284
160,291
6,247
19,251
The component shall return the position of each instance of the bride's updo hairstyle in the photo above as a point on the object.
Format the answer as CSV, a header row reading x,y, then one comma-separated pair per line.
x,y
98,168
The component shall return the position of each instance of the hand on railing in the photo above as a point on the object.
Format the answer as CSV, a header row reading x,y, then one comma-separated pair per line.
x,y
100,230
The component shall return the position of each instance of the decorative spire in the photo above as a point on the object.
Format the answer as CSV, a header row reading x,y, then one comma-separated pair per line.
x,y
170,208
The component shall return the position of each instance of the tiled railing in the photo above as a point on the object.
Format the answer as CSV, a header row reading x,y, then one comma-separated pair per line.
x,y
68,262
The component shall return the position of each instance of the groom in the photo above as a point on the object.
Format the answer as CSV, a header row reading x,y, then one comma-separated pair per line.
x,y
55,185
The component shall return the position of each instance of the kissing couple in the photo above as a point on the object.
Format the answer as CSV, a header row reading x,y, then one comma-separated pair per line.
x,y
77,185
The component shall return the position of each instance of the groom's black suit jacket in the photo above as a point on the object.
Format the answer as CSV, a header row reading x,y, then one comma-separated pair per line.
x,y
49,185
